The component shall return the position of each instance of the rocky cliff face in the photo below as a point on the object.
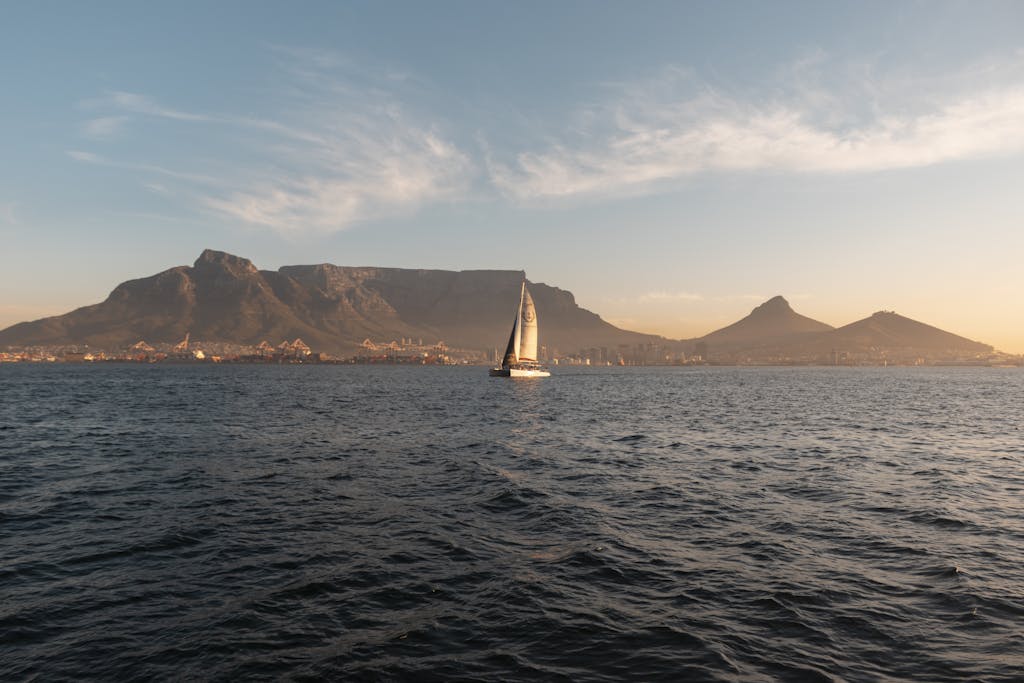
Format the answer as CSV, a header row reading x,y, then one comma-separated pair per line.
x,y
222,297
225,298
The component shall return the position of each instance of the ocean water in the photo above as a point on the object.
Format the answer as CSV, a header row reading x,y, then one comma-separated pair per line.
x,y
395,523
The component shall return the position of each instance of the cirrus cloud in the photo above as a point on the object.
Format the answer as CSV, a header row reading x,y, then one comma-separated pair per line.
x,y
335,155
675,126
341,145
360,174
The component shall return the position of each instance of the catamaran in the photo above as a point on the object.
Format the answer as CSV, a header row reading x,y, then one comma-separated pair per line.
x,y
521,353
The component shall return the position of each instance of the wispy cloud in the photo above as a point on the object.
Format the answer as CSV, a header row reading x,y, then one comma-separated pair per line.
x,y
669,296
99,160
676,126
157,188
104,126
656,298
140,104
360,175
663,297
339,153
85,157
341,144
144,106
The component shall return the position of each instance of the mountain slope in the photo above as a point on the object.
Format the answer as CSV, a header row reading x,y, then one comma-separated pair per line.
x,y
888,330
773,331
772,323
222,297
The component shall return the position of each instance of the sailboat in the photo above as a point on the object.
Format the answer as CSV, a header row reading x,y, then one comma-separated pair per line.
x,y
521,353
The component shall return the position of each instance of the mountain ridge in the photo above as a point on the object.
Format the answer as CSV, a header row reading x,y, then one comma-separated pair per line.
x,y
223,297
226,298
774,330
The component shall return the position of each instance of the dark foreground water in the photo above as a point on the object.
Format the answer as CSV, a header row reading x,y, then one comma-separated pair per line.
x,y
435,524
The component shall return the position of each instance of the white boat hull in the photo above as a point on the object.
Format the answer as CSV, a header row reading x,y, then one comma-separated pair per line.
x,y
519,372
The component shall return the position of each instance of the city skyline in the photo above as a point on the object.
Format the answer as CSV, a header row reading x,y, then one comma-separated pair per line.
x,y
672,165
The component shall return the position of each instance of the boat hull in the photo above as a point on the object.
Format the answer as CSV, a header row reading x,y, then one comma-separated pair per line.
x,y
519,372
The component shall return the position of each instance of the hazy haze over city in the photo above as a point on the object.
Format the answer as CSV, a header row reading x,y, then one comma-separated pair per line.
x,y
672,164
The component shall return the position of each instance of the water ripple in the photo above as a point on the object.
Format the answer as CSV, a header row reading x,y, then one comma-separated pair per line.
x,y
731,524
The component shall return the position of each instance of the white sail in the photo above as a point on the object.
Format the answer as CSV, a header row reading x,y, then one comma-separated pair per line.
x,y
516,334
521,353
514,343
528,350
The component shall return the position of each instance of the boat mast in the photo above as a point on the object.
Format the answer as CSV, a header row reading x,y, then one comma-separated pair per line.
x,y
512,350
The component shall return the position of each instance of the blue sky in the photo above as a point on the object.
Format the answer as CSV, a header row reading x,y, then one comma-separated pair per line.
x,y
673,164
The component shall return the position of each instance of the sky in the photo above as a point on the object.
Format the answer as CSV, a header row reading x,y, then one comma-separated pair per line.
x,y
673,164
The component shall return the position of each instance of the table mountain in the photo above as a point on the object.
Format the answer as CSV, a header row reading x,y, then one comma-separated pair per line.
x,y
225,298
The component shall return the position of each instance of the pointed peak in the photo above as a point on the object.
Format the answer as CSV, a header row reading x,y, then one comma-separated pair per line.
x,y
776,304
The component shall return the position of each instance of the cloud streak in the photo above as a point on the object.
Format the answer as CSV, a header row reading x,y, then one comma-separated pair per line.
x,y
141,104
104,126
98,160
360,174
343,146
659,297
653,135
652,297
336,156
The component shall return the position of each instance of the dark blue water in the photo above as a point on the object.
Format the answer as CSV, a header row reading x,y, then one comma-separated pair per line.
x,y
731,524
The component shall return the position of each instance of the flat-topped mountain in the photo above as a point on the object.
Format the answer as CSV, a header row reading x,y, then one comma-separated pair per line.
x,y
222,297
772,323
225,298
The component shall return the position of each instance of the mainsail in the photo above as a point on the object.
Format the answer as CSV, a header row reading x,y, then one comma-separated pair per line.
x,y
521,353
528,351
513,348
